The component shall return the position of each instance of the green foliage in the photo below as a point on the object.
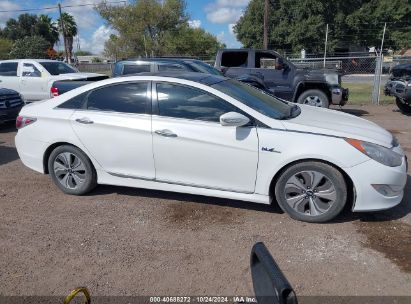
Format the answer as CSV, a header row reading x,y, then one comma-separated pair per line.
x,y
28,25
68,28
96,60
154,28
83,53
30,47
297,24
5,48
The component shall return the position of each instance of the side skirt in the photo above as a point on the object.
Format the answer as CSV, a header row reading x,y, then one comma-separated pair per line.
x,y
105,178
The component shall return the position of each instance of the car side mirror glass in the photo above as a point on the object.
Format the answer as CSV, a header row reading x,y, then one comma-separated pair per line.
x,y
234,119
270,284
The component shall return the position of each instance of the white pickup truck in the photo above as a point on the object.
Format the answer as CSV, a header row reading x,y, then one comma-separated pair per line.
x,y
33,78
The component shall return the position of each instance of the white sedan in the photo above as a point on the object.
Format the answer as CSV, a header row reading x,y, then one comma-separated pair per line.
x,y
209,135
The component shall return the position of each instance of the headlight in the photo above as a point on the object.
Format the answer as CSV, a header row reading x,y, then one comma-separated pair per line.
x,y
376,152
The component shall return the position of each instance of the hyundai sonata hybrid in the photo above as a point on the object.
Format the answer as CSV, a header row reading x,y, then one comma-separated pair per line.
x,y
214,136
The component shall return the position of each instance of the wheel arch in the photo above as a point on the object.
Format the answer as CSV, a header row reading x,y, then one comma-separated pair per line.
x,y
305,86
51,148
351,192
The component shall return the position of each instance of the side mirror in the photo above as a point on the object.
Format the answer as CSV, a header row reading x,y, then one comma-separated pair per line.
x,y
270,284
234,119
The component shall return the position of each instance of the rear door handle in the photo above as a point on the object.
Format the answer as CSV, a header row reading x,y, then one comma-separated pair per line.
x,y
85,121
165,133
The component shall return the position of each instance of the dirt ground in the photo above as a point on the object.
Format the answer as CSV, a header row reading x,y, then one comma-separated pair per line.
x,y
122,241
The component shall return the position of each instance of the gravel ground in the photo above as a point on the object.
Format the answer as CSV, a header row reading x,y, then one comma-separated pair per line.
x,y
122,241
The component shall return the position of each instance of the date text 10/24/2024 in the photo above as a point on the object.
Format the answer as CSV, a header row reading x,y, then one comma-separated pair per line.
x,y
203,299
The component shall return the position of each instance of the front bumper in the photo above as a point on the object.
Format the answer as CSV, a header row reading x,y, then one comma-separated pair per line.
x,y
339,96
9,114
400,89
371,173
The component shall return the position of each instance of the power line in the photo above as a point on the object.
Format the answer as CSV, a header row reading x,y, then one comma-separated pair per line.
x,y
56,7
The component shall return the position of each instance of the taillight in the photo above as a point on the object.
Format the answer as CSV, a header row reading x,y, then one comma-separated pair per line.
x,y
54,92
23,121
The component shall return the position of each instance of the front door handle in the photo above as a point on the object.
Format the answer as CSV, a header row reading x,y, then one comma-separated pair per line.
x,y
165,133
84,120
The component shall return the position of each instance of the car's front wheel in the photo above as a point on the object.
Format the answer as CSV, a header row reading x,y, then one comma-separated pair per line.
x,y
404,107
316,98
71,170
311,191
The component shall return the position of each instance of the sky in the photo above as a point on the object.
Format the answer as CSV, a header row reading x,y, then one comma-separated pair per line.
x,y
214,16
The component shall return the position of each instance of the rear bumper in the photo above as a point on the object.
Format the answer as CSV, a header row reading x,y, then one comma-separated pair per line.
x,y
30,151
370,173
9,114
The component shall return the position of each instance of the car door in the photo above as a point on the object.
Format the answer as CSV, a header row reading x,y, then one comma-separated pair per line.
x,y
33,86
115,127
8,75
276,74
192,148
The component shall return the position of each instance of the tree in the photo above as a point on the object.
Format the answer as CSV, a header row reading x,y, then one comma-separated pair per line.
x,y
69,30
28,25
154,28
195,42
5,48
30,47
48,29
297,24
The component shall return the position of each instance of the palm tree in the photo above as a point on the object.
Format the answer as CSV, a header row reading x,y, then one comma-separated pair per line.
x,y
69,25
48,29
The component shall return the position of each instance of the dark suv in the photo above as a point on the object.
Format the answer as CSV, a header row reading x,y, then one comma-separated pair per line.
x,y
134,66
10,105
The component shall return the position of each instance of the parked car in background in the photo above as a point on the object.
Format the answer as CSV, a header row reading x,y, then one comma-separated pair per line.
x,y
142,65
399,86
33,78
315,87
10,105
211,135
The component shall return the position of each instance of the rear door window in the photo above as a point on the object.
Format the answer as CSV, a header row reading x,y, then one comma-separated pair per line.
x,y
135,68
8,68
170,67
123,98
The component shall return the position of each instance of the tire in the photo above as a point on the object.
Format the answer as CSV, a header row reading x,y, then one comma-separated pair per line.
x,y
71,170
311,192
315,98
404,107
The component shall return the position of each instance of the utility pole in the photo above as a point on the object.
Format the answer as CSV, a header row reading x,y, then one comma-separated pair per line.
x,y
64,35
378,71
325,47
266,25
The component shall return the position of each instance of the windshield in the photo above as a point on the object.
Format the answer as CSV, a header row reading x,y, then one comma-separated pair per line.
x,y
57,68
258,100
205,68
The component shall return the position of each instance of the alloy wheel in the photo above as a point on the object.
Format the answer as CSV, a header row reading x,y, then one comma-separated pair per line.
x,y
313,101
69,170
310,192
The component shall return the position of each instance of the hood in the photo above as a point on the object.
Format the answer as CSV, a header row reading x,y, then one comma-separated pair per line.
x,y
80,75
4,91
336,123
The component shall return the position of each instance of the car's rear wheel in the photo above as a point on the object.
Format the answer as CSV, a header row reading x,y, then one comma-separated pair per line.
x,y
316,98
71,170
404,107
311,191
